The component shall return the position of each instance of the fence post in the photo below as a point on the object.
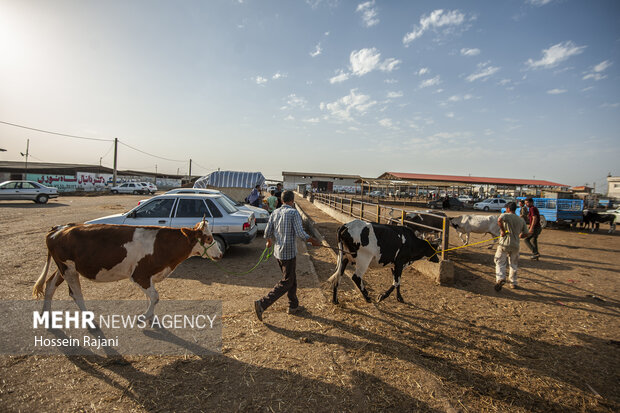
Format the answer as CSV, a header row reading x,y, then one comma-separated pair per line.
x,y
351,204
378,214
444,239
402,217
362,211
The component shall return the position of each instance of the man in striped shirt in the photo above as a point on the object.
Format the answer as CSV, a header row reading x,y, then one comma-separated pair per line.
x,y
283,227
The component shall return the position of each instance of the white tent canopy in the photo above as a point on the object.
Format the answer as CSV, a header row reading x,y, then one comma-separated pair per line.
x,y
230,179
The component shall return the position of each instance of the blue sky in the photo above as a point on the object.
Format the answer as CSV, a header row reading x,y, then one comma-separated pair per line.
x,y
516,88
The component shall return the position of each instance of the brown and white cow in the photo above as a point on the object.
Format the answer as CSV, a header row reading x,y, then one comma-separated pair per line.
x,y
104,253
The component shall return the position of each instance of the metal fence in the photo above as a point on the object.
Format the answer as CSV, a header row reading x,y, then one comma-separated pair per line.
x,y
383,214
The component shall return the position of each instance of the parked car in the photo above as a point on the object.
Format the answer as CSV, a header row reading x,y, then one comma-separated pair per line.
x,y
129,188
27,191
261,214
465,198
228,225
149,186
376,194
491,204
438,203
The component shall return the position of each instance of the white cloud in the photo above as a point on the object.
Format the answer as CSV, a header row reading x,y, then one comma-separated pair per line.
x,y
369,13
294,101
289,117
423,71
386,123
390,81
555,54
435,20
610,105
278,75
389,64
556,91
596,72
539,3
317,50
484,71
450,115
312,120
345,107
340,77
458,98
392,95
430,82
260,80
470,52
364,61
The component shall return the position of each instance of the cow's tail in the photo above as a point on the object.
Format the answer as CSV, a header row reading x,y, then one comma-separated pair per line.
x,y
37,291
335,278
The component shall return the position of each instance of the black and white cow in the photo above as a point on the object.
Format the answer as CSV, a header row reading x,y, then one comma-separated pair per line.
x,y
592,219
360,242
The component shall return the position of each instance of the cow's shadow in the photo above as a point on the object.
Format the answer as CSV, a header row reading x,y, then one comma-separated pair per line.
x,y
216,382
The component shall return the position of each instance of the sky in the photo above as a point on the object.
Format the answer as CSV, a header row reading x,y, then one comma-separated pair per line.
x,y
513,89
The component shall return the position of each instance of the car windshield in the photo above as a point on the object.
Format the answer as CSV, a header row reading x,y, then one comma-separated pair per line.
x,y
226,204
488,201
232,201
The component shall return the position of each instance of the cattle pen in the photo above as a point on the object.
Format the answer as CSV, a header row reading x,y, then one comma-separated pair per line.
x,y
371,212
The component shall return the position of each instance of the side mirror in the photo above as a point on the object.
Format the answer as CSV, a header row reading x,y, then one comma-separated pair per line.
x,y
132,214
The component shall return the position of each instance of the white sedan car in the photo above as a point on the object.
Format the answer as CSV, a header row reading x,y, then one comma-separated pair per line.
x,y
228,225
491,204
261,215
129,188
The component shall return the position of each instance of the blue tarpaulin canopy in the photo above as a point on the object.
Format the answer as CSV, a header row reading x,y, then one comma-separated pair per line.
x,y
231,179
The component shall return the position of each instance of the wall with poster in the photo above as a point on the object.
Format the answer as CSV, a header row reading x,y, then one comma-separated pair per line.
x,y
93,182
64,183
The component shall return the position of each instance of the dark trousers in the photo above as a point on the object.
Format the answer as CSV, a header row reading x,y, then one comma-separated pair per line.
x,y
288,285
532,240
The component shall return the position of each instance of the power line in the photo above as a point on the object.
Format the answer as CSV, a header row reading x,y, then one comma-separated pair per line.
x,y
150,154
56,133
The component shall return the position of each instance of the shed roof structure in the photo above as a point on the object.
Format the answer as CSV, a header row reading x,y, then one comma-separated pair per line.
x,y
450,180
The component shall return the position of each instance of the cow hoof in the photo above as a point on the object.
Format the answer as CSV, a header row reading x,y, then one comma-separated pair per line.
x,y
400,299
335,301
367,298
380,298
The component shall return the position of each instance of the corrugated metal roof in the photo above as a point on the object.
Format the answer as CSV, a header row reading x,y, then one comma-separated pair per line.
x,y
231,179
469,179
324,175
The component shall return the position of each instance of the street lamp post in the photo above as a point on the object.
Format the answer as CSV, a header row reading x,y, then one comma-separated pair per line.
x,y
26,155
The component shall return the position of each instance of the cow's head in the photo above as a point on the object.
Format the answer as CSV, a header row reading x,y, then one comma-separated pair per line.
x,y
456,222
205,243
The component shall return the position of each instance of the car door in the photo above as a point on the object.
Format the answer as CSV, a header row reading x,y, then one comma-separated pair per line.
x,y
29,191
9,191
157,211
190,211
501,203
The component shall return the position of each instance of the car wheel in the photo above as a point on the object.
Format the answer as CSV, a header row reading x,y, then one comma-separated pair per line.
x,y
114,191
220,243
136,192
486,208
42,199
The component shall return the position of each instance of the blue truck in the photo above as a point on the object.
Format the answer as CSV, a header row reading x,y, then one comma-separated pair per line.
x,y
558,211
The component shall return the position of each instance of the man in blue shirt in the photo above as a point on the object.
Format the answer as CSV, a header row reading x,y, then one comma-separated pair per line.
x,y
283,227
254,197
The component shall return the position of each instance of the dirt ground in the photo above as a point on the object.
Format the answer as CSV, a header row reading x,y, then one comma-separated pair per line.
x,y
551,346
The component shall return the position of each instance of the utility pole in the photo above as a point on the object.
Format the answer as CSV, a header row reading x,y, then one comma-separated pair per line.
x,y
189,177
115,161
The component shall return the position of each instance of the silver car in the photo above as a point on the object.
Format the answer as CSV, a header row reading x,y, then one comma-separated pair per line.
x,y
261,214
228,225
27,191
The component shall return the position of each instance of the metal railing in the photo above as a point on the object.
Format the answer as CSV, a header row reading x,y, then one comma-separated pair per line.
x,y
382,214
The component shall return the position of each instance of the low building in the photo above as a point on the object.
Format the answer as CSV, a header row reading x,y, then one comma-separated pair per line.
x,y
321,182
613,187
